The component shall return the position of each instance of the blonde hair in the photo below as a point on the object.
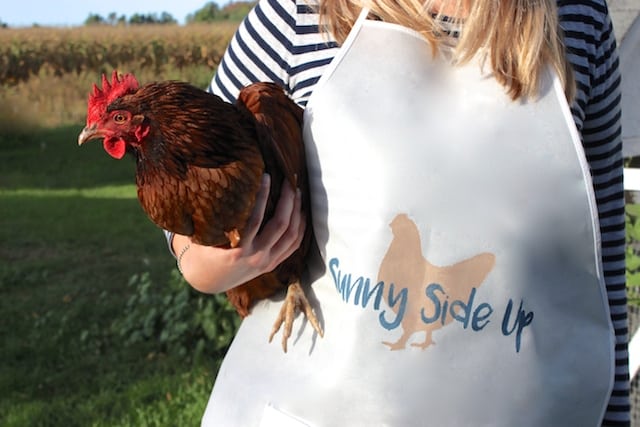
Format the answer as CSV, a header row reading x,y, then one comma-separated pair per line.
x,y
518,38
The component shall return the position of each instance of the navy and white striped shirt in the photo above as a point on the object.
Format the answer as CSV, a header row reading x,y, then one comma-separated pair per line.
x,y
280,41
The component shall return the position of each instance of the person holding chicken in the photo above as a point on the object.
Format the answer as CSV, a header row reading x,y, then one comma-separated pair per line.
x,y
491,129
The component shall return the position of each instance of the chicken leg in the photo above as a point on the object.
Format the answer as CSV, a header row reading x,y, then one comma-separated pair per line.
x,y
295,300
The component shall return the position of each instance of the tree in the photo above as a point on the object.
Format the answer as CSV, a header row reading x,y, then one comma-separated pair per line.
x,y
166,18
208,13
234,11
112,18
135,19
152,18
94,19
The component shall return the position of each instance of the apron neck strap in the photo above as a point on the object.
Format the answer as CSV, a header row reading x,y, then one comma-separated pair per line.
x,y
362,17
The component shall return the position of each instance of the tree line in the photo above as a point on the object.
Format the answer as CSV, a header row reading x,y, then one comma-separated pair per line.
x,y
210,12
135,19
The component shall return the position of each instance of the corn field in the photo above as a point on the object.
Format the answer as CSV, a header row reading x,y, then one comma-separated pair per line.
x,y
25,53
46,73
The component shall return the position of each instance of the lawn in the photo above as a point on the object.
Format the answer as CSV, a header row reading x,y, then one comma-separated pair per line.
x,y
82,342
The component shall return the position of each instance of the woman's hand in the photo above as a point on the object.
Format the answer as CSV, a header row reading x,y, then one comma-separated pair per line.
x,y
211,270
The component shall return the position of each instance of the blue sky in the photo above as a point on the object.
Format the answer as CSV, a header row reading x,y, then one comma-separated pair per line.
x,y
73,12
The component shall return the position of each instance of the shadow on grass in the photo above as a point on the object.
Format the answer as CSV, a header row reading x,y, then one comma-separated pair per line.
x,y
64,269
67,250
51,158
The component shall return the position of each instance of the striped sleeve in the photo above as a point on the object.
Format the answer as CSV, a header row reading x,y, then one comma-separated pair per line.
x,y
591,47
279,41
259,50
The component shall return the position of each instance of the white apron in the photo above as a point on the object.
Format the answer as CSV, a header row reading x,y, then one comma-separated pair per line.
x,y
462,283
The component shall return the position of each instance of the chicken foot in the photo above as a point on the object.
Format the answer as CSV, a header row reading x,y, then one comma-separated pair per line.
x,y
295,300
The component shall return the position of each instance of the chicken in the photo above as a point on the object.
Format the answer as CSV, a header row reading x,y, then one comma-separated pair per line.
x,y
199,165
405,266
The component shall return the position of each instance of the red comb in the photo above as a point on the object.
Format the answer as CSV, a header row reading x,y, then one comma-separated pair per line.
x,y
99,99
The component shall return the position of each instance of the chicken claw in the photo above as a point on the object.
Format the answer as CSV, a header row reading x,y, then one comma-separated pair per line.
x,y
295,299
234,237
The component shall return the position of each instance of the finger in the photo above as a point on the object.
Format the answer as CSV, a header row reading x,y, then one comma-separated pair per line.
x,y
291,239
253,225
279,223
302,227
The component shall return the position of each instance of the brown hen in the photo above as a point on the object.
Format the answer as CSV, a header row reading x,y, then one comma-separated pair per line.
x,y
199,165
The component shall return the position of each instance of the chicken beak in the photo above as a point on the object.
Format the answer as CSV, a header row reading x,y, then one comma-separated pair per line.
x,y
89,133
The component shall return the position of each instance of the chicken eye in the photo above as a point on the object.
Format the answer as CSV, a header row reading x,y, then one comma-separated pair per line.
x,y
119,118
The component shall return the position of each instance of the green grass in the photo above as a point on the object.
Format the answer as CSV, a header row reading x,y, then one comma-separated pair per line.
x,y
71,235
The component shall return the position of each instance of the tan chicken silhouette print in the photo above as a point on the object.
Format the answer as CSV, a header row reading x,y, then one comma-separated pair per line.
x,y
405,267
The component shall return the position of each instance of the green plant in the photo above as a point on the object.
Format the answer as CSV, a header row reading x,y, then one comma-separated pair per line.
x,y
632,220
180,320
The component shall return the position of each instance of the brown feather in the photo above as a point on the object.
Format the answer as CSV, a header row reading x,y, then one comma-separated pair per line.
x,y
200,171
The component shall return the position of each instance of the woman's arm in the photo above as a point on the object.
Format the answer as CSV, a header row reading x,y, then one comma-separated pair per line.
x,y
260,50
